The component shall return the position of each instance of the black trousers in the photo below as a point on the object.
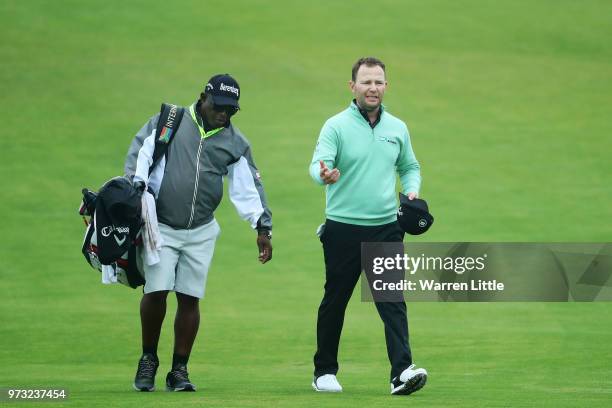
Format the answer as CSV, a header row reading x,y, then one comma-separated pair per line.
x,y
342,251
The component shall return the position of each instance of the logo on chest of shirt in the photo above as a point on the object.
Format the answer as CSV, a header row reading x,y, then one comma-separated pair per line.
x,y
386,139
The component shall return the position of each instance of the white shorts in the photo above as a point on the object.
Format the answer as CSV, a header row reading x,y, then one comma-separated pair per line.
x,y
184,260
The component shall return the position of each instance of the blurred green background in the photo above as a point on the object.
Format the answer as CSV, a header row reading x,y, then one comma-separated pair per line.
x,y
509,107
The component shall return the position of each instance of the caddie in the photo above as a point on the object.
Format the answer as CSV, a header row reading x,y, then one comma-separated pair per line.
x,y
188,186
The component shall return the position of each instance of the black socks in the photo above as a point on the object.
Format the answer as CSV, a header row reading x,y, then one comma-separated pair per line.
x,y
150,350
178,359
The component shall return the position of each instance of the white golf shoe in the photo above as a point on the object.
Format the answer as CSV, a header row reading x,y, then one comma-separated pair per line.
x,y
326,383
410,380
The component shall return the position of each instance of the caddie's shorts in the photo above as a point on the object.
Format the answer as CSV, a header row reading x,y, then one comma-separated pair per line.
x,y
184,260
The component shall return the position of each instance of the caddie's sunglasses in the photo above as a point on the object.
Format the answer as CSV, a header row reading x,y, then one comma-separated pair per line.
x,y
230,110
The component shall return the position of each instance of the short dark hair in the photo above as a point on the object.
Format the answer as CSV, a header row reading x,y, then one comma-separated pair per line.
x,y
367,61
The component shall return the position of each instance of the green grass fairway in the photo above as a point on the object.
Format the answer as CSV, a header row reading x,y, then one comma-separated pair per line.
x,y
509,107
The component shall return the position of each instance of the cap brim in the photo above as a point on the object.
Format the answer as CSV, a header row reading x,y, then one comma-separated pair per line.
x,y
225,101
416,203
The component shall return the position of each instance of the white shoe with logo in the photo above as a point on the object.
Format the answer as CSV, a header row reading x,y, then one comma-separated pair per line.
x,y
326,383
410,380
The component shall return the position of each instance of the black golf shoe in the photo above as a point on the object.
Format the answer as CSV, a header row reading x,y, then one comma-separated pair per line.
x,y
178,379
145,375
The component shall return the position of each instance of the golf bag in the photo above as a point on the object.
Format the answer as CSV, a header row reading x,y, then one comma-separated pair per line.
x,y
114,226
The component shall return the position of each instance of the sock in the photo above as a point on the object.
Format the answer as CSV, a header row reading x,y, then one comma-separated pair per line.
x,y
178,359
150,350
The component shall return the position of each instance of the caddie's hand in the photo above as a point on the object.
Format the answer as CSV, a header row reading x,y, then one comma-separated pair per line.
x,y
140,187
412,195
328,176
265,247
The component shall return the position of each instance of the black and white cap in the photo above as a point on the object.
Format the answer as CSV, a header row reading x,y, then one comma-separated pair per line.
x,y
224,90
413,215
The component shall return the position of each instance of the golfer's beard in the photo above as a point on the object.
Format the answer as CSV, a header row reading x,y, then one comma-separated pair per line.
x,y
371,108
363,104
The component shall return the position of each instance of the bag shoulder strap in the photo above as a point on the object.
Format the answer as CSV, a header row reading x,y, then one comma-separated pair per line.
x,y
170,117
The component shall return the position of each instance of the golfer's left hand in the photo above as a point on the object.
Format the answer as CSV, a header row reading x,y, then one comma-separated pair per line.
x,y
412,195
265,248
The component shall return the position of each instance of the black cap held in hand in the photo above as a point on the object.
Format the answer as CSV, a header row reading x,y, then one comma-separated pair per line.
x,y
413,215
224,90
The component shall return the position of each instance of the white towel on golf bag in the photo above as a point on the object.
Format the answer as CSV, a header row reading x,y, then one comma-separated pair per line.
x,y
108,274
151,238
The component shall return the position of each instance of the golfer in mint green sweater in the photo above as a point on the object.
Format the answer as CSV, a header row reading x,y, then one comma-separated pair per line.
x,y
359,152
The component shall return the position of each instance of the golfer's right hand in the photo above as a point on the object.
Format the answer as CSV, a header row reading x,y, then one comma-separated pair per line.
x,y
328,176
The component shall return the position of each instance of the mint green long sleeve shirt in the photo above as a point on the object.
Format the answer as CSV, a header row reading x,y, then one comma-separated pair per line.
x,y
368,160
